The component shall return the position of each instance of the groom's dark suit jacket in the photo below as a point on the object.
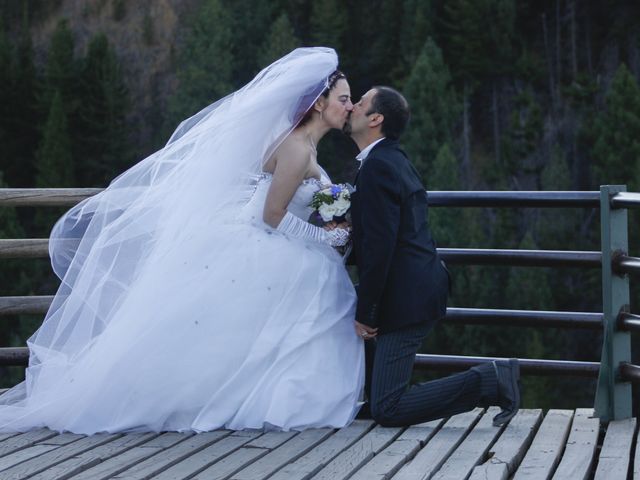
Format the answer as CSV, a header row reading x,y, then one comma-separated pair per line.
x,y
402,281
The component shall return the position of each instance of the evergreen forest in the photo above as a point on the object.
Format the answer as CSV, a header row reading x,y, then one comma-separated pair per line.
x,y
505,95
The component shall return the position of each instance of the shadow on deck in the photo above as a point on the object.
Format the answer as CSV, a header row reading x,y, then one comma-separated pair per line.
x,y
563,444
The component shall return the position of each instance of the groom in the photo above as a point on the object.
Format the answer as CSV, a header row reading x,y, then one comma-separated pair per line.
x,y
403,284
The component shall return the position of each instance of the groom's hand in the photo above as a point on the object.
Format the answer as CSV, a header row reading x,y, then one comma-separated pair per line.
x,y
365,331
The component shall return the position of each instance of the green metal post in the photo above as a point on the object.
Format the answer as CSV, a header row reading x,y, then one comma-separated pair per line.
x,y
613,396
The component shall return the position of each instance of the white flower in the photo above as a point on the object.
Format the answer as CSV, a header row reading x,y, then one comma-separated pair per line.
x,y
327,212
341,205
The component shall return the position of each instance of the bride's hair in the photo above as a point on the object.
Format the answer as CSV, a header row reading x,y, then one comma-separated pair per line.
x,y
330,83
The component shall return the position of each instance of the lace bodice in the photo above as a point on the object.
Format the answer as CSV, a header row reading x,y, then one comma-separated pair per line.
x,y
299,205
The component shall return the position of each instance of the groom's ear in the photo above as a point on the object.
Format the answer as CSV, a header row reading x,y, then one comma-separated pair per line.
x,y
376,119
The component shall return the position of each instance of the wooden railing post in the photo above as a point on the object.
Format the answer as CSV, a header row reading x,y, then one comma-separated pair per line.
x,y
613,396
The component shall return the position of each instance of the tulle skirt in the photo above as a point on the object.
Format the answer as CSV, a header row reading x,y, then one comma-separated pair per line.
x,y
240,327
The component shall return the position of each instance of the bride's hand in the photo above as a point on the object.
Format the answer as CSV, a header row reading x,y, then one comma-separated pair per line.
x,y
330,226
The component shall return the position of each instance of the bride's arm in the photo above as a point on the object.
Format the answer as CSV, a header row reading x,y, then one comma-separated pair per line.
x,y
292,165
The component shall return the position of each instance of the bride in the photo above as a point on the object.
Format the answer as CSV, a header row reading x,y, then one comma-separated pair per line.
x,y
194,294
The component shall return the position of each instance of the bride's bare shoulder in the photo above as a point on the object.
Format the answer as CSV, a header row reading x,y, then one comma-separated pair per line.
x,y
292,150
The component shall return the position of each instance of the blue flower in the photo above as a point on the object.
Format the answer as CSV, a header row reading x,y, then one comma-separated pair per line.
x,y
335,190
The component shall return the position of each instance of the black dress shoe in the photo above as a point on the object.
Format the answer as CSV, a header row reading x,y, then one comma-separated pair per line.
x,y
508,374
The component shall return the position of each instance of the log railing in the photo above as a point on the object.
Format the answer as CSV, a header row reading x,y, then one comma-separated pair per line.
x,y
614,371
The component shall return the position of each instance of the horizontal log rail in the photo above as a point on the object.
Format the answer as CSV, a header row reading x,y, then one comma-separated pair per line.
x,y
625,264
62,197
14,356
610,199
20,356
626,200
39,304
521,258
629,322
25,305
524,318
630,372
39,248
527,365
30,197
534,199
45,197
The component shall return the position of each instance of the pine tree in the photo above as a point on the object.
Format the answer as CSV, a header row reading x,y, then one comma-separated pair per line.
x,y
524,133
556,228
250,22
328,23
481,36
616,150
23,120
446,224
416,28
102,130
205,65
61,73
434,108
53,160
280,41
6,85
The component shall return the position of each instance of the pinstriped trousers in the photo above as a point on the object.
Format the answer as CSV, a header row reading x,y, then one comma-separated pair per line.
x,y
393,402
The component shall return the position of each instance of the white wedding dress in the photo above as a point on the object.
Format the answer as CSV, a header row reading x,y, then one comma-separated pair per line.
x,y
179,309
261,337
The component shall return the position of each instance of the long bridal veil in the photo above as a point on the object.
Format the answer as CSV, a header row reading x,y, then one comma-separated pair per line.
x,y
113,244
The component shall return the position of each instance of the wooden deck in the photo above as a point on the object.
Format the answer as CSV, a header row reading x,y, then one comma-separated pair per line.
x,y
563,444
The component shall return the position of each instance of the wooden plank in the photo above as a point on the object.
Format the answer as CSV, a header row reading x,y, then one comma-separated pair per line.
x,y
490,471
245,456
580,451
172,455
353,458
507,453
311,463
58,455
271,440
90,458
62,439
24,455
231,464
25,440
444,442
472,450
286,453
547,446
616,450
391,459
120,463
197,462
5,436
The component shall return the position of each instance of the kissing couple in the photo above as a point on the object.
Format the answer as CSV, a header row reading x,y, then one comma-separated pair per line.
x,y
196,295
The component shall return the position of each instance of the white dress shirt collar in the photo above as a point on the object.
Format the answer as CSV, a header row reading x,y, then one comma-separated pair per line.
x,y
362,156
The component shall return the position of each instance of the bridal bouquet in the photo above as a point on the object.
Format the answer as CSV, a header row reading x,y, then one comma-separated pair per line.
x,y
332,202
